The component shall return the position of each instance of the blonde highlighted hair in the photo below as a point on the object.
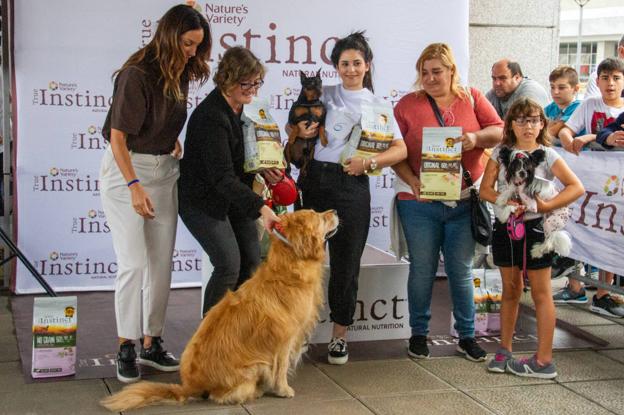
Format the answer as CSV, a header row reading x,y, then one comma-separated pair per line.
x,y
165,56
444,54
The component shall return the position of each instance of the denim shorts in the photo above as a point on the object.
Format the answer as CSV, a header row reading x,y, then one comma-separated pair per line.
x,y
509,253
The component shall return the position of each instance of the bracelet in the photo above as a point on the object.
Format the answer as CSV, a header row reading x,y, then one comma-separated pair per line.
x,y
131,182
373,164
364,166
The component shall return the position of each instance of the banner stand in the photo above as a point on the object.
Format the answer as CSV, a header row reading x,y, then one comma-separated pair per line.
x,y
15,252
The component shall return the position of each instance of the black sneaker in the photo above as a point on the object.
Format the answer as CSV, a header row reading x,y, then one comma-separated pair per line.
x,y
563,266
606,306
468,346
158,358
337,351
127,370
418,347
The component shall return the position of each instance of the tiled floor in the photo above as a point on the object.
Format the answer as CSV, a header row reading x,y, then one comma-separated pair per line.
x,y
591,381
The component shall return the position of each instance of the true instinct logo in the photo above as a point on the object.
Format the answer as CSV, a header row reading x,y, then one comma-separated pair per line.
x,y
393,310
69,263
295,49
385,180
94,222
186,260
232,15
379,218
65,180
63,94
89,139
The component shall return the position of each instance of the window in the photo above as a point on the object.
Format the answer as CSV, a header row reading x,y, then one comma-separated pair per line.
x,y
567,56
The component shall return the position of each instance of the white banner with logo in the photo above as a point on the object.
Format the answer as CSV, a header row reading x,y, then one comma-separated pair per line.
x,y
66,52
597,222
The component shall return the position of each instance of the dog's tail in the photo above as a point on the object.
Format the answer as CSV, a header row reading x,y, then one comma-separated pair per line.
x,y
146,393
558,241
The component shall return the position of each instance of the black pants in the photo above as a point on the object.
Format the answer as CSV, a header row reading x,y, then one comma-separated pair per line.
x,y
325,187
232,246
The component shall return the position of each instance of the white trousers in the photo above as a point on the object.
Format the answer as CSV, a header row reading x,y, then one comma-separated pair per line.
x,y
143,247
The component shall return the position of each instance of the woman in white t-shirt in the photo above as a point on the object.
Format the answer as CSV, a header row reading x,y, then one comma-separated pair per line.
x,y
329,185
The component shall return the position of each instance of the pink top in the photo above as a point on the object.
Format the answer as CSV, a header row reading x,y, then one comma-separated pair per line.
x,y
413,112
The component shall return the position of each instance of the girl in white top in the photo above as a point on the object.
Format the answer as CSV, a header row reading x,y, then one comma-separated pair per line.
x,y
329,185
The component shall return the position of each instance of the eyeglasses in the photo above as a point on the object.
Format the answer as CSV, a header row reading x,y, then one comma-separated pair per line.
x,y
533,121
245,86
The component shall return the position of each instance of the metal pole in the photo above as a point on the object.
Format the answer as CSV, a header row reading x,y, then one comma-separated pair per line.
x,y
581,4
6,133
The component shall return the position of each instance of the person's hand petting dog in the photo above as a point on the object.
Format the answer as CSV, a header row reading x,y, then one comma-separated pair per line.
x,y
519,207
310,131
269,218
468,140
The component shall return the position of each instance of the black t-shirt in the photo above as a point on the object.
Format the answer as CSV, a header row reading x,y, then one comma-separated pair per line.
x,y
140,109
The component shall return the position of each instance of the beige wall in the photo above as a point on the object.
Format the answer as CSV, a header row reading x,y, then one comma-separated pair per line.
x,y
525,31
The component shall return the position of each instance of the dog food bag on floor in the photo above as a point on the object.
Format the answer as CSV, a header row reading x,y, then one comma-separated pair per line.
x,y
261,137
54,336
372,136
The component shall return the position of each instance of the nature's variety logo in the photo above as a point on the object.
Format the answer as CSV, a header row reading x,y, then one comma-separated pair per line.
x,y
94,222
186,260
68,94
53,255
612,185
89,139
60,179
69,311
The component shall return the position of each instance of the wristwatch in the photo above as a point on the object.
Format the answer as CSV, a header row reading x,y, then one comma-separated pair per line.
x,y
373,164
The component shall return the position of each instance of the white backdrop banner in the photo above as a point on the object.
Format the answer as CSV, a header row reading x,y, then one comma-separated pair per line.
x,y
64,88
597,222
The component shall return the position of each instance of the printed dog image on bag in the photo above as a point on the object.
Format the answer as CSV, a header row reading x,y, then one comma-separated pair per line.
x,y
261,137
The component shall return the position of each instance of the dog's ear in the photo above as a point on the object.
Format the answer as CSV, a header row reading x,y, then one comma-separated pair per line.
x,y
537,156
505,155
302,76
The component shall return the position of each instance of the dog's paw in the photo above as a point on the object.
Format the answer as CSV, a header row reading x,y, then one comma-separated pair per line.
x,y
502,214
285,392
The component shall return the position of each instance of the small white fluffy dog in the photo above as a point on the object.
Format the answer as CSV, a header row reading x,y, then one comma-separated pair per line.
x,y
519,169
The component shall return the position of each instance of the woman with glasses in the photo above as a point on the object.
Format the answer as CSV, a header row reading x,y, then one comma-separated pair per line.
x,y
434,226
217,203
138,179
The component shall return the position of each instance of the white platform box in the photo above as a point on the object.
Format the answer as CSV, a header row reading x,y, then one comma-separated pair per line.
x,y
381,311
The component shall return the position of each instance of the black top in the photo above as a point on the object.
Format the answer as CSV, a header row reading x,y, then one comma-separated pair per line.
x,y
140,109
212,178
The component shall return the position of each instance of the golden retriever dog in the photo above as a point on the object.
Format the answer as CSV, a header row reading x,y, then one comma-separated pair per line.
x,y
246,343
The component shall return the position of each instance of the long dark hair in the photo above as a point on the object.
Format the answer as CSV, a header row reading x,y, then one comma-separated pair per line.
x,y
358,42
165,51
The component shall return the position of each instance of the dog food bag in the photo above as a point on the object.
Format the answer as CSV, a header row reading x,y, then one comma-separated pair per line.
x,y
261,136
440,170
373,135
54,336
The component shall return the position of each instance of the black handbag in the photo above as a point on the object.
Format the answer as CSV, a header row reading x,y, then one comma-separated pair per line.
x,y
480,218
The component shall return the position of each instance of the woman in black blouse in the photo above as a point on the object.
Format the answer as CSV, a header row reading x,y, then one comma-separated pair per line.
x,y
138,178
217,203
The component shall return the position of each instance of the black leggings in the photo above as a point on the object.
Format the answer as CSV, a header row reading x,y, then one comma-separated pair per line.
x,y
325,187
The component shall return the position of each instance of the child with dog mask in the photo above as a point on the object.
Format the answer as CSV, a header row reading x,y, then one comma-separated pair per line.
x,y
526,135
329,185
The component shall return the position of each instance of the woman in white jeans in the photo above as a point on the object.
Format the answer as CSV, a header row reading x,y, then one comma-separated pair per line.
x,y
138,179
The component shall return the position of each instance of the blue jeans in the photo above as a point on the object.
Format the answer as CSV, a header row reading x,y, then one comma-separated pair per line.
x,y
429,228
